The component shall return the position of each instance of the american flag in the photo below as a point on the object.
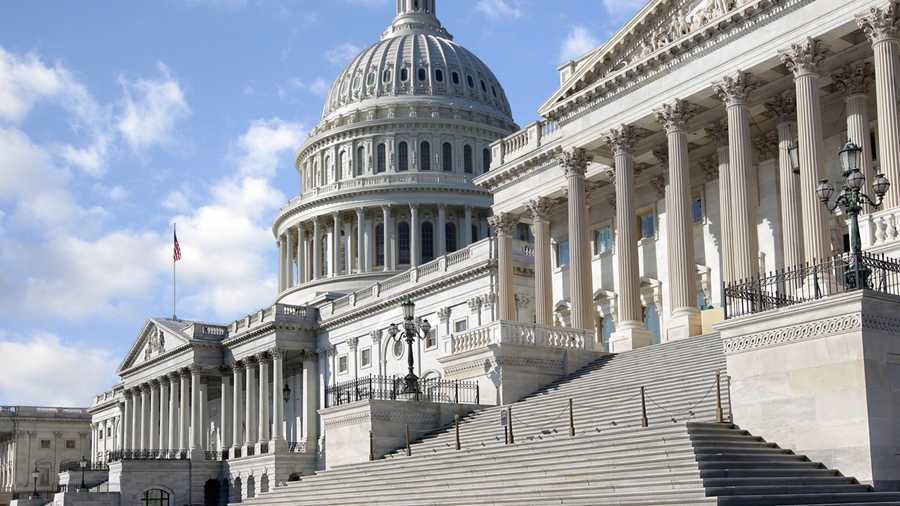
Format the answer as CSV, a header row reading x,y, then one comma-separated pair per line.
x,y
176,254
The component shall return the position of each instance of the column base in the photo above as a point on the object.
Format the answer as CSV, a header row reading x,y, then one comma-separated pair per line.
x,y
630,336
685,322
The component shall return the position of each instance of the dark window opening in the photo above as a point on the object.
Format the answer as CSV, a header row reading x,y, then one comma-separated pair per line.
x,y
427,242
425,156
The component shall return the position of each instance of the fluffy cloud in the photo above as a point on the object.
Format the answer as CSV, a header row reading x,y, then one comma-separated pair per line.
x,y
25,362
150,110
342,53
265,143
499,9
578,42
317,87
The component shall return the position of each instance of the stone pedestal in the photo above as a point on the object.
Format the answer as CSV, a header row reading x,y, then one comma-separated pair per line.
x,y
347,427
822,378
683,323
630,336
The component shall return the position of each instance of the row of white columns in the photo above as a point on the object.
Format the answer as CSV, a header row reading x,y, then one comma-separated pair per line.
x,y
7,469
301,248
105,437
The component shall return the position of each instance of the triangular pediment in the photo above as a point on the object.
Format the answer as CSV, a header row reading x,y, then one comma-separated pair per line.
x,y
658,28
157,337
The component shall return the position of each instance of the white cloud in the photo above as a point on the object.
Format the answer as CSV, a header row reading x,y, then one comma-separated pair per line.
x,y
578,43
151,108
499,9
342,53
265,143
116,193
40,370
177,200
317,87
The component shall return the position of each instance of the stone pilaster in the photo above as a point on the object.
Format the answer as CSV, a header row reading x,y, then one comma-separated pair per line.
x,y
172,431
783,108
630,330
543,285
277,400
504,224
803,60
684,320
718,132
880,25
574,164
237,424
734,91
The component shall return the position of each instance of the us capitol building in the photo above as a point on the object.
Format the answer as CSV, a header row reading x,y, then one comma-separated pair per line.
x,y
664,224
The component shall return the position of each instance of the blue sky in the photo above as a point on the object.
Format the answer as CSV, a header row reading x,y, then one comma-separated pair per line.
x,y
118,119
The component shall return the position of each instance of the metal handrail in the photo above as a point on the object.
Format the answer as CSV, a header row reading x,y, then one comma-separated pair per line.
x,y
391,388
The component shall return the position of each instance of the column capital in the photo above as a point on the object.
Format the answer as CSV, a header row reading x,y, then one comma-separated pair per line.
x,y
174,375
375,335
353,342
621,140
250,362
718,132
782,107
574,161
262,356
675,115
360,211
540,208
145,388
276,353
880,24
503,223
735,89
803,58
238,365
767,145
853,78
475,303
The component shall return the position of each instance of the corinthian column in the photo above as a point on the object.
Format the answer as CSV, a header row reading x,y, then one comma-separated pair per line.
x,y
803,60
127,417
335,258
163,413
277,400
574,164
360,240
413,235
263,419
630,330
685,318
237,424
301,253
543,286
880,25
718,132
144,432
250,407
784,109
172,441
734,91
504,224
196,411
854,80
184,410
316,251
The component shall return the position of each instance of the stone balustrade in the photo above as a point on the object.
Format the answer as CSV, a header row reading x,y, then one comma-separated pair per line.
x,y
518,333
880,231
272,313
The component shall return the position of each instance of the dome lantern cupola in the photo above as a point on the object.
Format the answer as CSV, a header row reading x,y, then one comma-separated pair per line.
x,y
416,16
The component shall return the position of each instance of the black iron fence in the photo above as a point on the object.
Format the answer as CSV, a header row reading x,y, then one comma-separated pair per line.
x,y
812,281
220,455
119,455
392,388
68,467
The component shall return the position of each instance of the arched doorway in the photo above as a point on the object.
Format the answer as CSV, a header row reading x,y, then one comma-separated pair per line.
x,y
155,497
211,493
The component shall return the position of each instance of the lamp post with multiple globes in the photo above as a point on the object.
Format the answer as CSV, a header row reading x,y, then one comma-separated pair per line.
x,y
411,331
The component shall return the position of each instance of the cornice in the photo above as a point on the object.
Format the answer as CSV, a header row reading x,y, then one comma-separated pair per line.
x,y
496,179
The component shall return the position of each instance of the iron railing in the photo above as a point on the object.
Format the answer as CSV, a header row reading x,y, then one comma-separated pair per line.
x,y
297,446
811,281
69,467
392,388
119,455
218,455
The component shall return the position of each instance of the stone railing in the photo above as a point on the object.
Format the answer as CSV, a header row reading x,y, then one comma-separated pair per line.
x,y
526,140
480,251
880,231
272,313
380,180
43,412
527,334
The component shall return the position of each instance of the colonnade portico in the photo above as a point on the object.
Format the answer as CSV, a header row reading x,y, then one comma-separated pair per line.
x,y
169,416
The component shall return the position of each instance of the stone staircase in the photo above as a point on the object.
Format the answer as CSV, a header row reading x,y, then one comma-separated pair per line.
x,y
681,458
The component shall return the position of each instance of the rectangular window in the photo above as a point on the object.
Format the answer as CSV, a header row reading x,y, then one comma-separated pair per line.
x,y
697,209
365,357
430,340
603,241
109,431
562,254
70,443
45,444
460,325
343,364
100,435
648,226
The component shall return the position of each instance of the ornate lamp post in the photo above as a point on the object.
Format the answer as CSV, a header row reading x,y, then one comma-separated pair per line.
x,y
34,476
851,201
286,393
412,330
83,465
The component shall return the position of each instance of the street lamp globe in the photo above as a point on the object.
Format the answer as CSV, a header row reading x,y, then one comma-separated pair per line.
x,y
426,327
850,157
393,330
881,185
824,190
856,180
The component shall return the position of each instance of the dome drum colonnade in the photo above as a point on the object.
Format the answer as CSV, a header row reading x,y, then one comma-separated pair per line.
x,y
793,107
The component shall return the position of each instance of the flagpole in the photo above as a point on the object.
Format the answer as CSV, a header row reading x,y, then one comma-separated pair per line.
x,y
174,285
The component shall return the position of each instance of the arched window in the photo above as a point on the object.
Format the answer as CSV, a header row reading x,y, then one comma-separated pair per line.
x,y
360,160
468,165
403,243
423,74
386,76
447,156
325,169
155,497
427,242
483,86
486,160
371,79
455,77
475,237
402,157
404,74
450,235
424,156
470,81
379,245
382,158
439,75
339,169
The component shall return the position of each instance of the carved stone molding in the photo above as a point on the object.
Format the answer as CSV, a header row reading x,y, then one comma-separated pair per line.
x,y
375,335
503,223
853,79
540,208
735,89
574,162
880,24
674,116
443,314
782,107
804,58
621,140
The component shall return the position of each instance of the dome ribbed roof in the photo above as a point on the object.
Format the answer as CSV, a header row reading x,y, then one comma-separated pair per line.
x,y
416,59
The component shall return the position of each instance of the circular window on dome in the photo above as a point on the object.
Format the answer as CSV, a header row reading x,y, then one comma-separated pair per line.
x,y
399,348
439,75
422,74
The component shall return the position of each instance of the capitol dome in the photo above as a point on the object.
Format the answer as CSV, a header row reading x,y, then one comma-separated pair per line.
x,y
386,176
